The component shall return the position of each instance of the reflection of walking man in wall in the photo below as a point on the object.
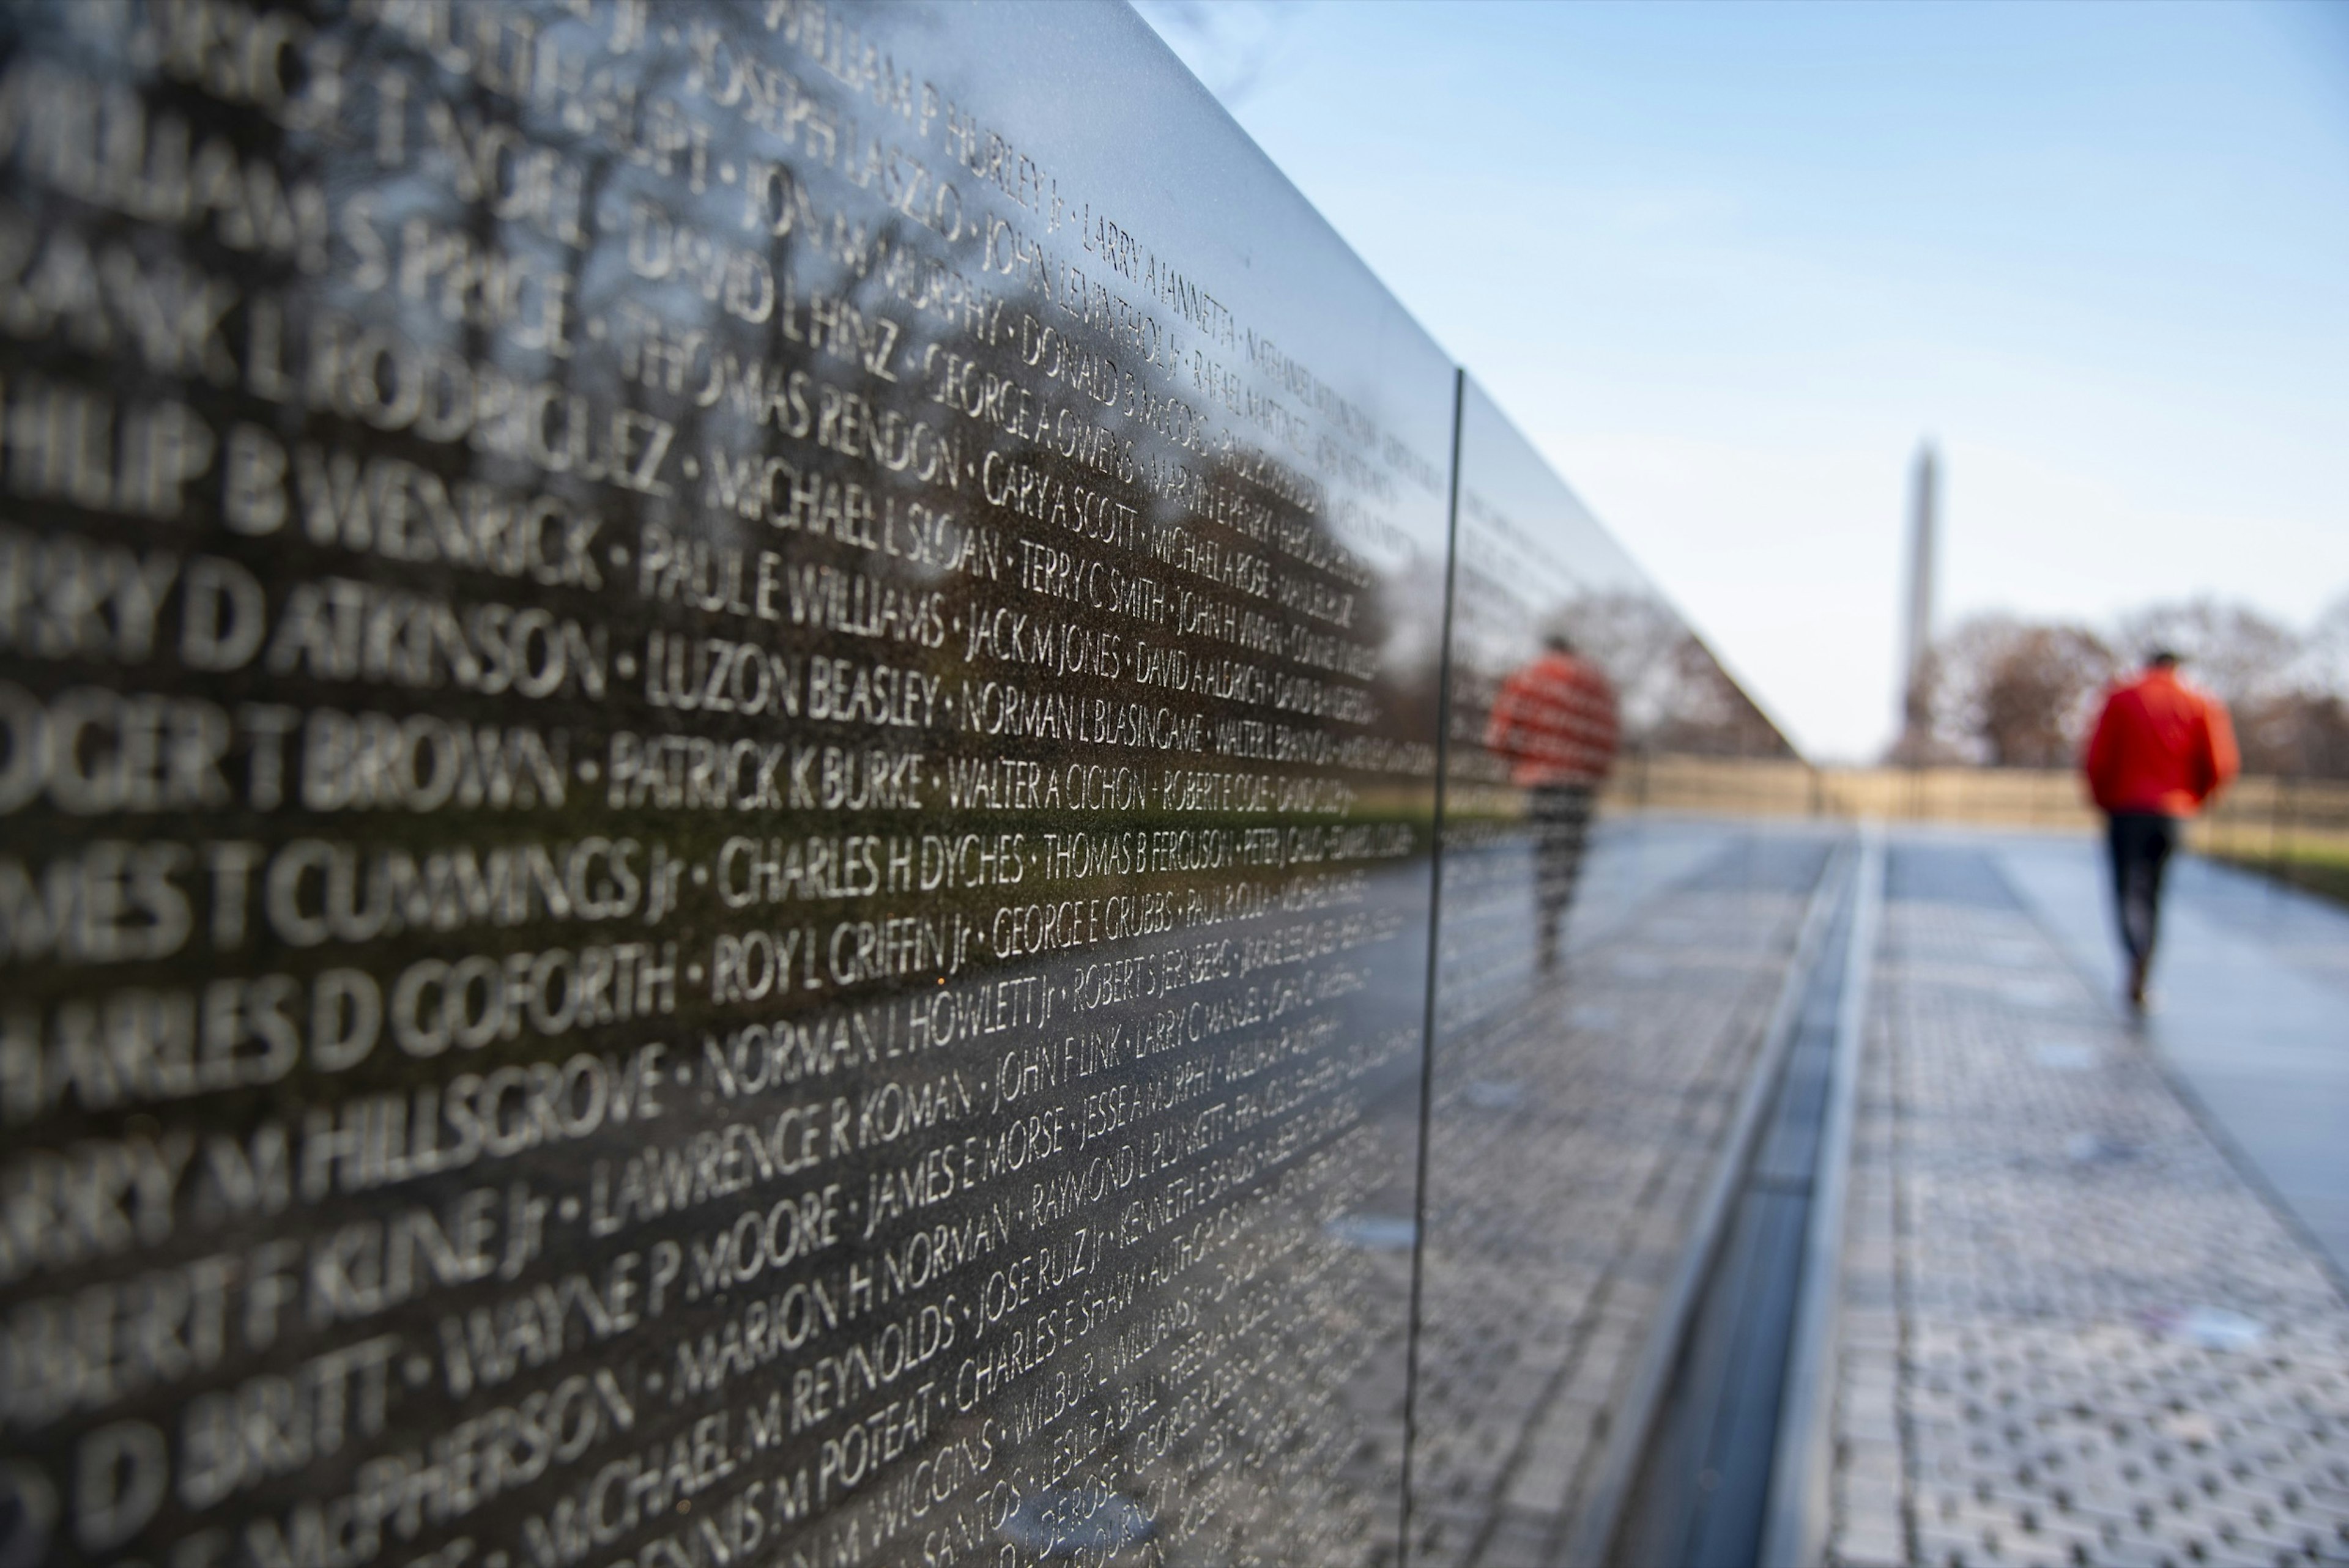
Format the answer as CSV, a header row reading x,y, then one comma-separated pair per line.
x,y
1554,722
2161,749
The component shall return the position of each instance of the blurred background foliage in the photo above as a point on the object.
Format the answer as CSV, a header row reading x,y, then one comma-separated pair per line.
x,y
2008,691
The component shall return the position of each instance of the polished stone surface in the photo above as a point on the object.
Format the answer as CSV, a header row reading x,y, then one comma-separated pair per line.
x,y
718,750
1587,1047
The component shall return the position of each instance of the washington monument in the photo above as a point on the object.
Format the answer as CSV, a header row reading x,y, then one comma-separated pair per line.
x,y
1916,671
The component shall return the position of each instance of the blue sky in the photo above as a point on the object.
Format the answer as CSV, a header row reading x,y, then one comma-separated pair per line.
x,y
1728,264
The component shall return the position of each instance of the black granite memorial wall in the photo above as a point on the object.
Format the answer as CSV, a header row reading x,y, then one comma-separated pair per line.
x,y
1601,986
719,742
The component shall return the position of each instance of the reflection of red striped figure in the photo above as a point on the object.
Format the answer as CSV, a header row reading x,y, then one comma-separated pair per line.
x,y
1554,720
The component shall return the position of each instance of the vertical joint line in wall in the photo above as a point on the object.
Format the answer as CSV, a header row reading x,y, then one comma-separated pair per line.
x,y
1427,1018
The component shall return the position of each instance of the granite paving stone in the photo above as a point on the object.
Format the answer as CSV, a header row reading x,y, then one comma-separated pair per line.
x,y
2073,1331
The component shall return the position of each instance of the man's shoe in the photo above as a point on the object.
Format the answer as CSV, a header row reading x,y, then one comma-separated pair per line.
x,y
2136,991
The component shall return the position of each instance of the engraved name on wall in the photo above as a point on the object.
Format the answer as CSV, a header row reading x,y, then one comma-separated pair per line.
x,y
700,788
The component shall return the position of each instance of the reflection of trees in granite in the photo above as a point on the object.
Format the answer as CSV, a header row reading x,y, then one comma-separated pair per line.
x,y
1272,1446
1677,699
1371,637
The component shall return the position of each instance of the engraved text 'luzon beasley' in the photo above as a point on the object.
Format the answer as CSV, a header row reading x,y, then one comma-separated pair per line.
x,y
709,787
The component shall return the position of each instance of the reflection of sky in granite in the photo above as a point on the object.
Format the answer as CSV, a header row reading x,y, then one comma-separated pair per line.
x,y
1532,561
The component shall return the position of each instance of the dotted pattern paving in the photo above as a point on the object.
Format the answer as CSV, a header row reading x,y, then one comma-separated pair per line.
x,y
2072,1333
1575,1123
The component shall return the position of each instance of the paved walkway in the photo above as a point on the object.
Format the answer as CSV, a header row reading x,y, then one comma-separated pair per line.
x,y
2073,1330
2253,984
1575,1120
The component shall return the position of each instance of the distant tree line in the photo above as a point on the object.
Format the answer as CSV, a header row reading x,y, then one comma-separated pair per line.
x,y
2004,691
1675,698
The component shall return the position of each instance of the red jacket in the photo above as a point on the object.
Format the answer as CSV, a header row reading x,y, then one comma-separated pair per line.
x,y
1555,721
2159,745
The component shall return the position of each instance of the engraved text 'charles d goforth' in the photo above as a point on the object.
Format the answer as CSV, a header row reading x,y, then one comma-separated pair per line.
x,y
705,786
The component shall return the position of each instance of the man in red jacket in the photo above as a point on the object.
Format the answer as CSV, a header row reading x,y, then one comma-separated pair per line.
x,y
2160,750
1554,721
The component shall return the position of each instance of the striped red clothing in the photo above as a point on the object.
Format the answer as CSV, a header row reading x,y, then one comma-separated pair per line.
x,y
1555,721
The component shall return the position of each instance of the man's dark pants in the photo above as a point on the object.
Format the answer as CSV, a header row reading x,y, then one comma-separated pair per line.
x,y
2141,843
1561,819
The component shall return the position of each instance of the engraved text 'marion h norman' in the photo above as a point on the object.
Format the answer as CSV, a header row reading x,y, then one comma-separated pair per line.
x,y
703,795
